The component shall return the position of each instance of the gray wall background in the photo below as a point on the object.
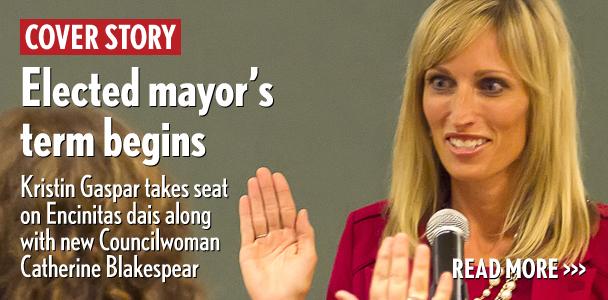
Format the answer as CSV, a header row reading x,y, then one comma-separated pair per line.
x,y
337,69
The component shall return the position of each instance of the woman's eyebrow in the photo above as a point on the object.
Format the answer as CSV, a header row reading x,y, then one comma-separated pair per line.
x,y
477,74
481,73
440,69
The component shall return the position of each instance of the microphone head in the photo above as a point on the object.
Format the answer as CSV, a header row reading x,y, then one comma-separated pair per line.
x,y
446,220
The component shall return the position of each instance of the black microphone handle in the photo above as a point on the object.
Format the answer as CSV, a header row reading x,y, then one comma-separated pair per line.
x,y
448,246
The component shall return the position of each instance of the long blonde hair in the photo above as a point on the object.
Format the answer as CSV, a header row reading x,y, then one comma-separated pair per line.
x,y
549,210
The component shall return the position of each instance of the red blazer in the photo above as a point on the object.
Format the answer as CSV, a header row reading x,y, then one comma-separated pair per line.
x,y
359,244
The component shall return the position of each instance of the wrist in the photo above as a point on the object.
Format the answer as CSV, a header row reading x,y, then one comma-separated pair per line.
x,y
301,296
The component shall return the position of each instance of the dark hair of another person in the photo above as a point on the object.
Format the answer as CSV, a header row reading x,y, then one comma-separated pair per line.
x,y
105,170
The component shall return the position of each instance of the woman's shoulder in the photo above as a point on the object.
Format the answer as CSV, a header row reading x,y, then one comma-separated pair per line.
x,y
602,209
357,250
598,245
366,226
372,212
600,226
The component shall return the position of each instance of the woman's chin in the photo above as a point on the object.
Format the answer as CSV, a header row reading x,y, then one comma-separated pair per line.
x,y
467,173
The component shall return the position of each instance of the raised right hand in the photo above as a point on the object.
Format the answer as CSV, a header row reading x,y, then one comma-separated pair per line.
x,y
278,255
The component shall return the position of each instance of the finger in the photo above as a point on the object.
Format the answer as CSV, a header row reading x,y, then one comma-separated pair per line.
x,y
305,234
398,276
271,205
444,288
257,207
379,286
287,206
419,281
247,234
344,295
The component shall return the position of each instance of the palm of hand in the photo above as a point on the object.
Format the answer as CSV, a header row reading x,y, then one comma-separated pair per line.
x,y
277,255
277,265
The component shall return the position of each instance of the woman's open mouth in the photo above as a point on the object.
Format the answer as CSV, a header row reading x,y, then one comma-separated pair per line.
x,y
466,145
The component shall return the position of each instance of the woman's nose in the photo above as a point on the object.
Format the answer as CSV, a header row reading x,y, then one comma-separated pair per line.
x,y
462,112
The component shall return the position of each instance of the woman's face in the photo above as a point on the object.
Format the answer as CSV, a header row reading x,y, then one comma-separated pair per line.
x,y
476,108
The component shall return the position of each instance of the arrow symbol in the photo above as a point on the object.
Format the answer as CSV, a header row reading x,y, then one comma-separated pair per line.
x,y
582,269
567,269
574,269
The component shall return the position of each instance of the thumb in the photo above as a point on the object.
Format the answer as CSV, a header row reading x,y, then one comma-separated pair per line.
x,y
305,233
344,295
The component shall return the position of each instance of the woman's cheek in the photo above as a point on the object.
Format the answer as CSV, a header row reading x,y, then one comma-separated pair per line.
x,y
434,108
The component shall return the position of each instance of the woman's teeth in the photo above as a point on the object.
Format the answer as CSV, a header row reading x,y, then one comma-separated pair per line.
x,y
468,144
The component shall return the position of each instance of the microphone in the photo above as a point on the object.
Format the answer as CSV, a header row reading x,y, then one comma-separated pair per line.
x,y
446,231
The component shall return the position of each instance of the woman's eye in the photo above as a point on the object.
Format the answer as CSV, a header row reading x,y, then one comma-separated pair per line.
x,y
441,83
492,86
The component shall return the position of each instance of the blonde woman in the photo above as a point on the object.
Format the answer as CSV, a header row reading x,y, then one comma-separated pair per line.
x,y
487,127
